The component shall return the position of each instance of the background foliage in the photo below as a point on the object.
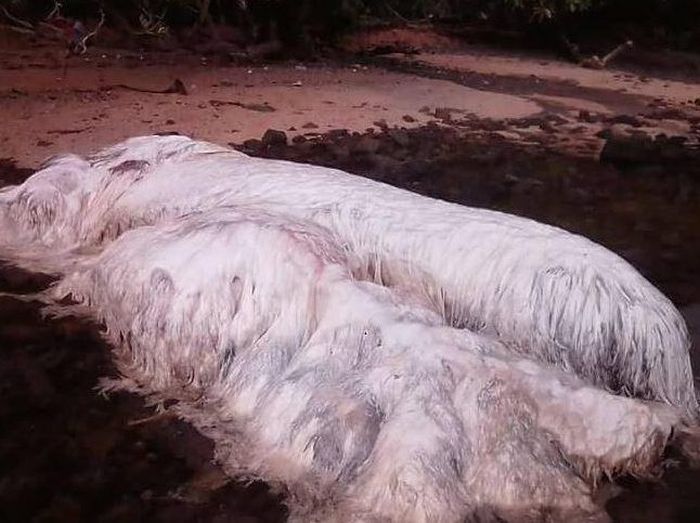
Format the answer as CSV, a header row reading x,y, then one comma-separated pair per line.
x,y
670,22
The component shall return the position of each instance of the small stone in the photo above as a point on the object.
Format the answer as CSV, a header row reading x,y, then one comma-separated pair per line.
x,y
548,128
309,125
274,137
252,144
381,124
408,118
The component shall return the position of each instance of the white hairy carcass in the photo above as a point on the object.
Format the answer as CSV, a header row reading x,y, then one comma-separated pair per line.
x,y
379,354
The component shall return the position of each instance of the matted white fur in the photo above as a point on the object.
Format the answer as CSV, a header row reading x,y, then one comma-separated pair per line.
x,y
357,398
541,291
320,328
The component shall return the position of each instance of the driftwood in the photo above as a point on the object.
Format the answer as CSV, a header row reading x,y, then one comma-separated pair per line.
x,y
19,22
177,87
593,62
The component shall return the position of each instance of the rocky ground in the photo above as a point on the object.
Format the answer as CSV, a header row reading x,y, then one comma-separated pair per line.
x,y
611,154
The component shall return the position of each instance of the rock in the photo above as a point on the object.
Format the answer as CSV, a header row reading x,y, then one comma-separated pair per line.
x,y
381,124
253,144
307,148
273,137
586,116
309,125
337,134
547,128
408,118
626,119
299,139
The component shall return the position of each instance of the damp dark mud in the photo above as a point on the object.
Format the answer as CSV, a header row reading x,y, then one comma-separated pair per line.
x,y
70,454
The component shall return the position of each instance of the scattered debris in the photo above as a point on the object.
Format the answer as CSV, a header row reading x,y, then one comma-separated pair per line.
x,y
643,149
261,108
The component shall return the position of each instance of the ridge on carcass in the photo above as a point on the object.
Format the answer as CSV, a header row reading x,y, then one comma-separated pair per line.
x,y
543,292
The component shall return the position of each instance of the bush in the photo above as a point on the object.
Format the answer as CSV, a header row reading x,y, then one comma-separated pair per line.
x,y
671,22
